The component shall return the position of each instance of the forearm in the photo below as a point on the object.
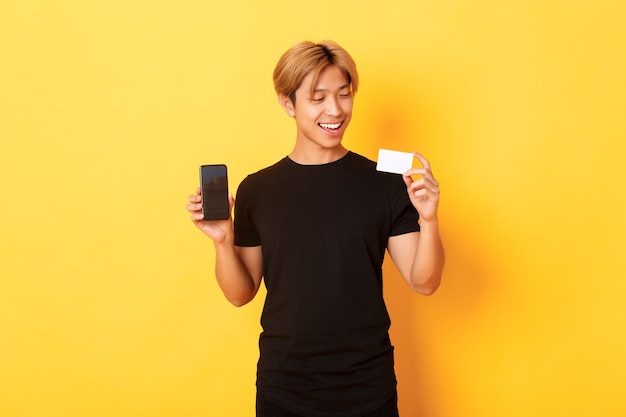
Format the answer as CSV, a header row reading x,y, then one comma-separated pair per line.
x,y
233,277
429,260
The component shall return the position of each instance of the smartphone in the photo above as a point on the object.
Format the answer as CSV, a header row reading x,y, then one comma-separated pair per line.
x,y
214,183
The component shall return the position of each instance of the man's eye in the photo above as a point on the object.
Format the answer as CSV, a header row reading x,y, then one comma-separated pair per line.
x,y
318,99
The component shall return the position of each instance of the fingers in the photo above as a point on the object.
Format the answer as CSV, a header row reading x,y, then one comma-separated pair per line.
x,y
425,170
194,208
423,185
423,160
408,180
197,216
427,185
195,204
426,173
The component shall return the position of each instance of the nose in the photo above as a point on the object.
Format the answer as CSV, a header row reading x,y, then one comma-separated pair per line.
x,y
333,107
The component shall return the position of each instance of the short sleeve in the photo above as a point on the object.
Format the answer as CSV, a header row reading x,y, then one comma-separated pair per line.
x,y
246,233
404,217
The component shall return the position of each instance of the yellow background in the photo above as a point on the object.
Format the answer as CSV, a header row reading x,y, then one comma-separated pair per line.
x,y
108,303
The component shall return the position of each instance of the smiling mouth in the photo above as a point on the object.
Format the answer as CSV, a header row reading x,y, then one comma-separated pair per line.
x,y
330,126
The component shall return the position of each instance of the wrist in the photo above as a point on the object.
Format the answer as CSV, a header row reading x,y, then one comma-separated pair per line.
x,y
224,241
432,224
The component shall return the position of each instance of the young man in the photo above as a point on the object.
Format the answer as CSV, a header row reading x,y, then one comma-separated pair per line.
x,y
315,227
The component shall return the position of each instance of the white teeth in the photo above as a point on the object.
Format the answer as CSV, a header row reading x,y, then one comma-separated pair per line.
x,y
330,125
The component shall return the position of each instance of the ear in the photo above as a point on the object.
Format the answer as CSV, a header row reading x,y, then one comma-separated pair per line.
x,y
287,105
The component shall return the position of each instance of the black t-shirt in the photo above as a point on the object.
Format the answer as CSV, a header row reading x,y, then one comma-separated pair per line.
x,y
323,229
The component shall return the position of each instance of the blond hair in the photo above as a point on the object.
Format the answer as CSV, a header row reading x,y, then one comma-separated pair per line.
x,y
306,58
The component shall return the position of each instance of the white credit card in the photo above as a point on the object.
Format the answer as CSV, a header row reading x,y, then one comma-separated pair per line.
x,y
394,161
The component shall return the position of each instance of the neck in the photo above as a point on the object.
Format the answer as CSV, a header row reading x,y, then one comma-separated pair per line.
x,y
318,156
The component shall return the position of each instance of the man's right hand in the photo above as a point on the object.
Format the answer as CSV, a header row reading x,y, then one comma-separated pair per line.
x,y
218,230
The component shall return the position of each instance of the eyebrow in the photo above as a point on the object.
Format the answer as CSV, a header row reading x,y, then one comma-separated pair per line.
x,y
343,87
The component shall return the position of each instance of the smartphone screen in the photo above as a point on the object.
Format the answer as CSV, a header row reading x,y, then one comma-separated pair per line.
x,y
214,183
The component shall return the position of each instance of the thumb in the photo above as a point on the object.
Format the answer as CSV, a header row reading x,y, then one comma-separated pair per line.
x,y
408,180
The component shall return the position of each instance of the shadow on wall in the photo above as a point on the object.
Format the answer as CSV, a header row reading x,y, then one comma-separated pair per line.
x,y
420,324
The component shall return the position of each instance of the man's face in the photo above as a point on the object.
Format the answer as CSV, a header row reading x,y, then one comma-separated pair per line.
x,y
322,119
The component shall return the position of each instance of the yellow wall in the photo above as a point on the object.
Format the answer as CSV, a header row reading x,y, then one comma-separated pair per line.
x,y
108,304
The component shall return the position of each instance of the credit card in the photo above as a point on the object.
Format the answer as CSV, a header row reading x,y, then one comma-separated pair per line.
x,y
394,162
